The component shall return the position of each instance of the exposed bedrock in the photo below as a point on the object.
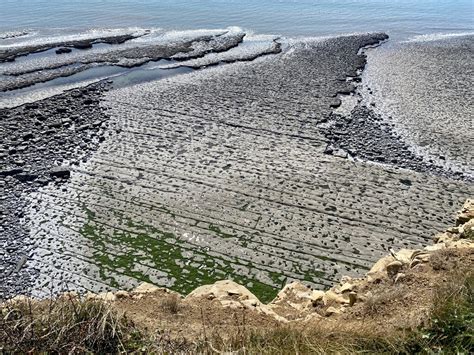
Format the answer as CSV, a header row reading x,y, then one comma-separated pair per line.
x,y
37,70
235,54
41,142
9,54
221,173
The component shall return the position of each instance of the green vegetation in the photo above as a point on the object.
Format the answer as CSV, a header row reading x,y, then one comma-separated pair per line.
x,y
451,328
135,250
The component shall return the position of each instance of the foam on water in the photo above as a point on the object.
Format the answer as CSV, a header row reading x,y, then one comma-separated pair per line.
x,y
158,36
437,36
13,34
401,18
41,39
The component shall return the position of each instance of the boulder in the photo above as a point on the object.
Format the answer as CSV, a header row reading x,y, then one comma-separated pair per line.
x,y
147,288
122,294
335,103
232,295
466,213
82,45
63,50
331,297
223,290
10,172
381,265
25,177
467,230
294,290
267,310
332,310
461,244
404,256
298,296
437,246
394,267
346,287
317,295
104,296
60,172
28,136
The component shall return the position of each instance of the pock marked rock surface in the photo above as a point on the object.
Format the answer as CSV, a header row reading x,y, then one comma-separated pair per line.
x,y
222,174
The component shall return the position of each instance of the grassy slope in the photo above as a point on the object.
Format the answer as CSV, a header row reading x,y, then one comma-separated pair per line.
x,y
94,326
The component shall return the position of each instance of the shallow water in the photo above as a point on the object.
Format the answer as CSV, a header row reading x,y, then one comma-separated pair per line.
x,y
400,18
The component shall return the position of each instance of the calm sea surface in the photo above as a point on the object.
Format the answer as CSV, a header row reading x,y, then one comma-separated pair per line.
x,y
401,19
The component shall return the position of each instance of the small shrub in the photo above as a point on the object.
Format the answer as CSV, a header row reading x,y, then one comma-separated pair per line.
x,y
451,328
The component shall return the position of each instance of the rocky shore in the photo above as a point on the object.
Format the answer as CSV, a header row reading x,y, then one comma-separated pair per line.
x,y
9,55
73,57
236,171
364,135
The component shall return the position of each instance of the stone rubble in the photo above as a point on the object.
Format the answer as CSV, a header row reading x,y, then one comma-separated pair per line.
x,y
43,142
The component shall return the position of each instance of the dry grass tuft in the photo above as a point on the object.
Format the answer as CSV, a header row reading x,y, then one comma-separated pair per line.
x,y
171,304
378,302
451,326
288,339
442,259
63,326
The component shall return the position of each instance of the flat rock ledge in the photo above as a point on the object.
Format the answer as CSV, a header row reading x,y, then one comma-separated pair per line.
x,y
296,301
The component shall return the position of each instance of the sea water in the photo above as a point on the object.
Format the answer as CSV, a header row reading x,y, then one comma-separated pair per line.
x,y
399,18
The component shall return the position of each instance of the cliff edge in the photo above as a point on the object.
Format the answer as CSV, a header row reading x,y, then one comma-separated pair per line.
x,y
410,300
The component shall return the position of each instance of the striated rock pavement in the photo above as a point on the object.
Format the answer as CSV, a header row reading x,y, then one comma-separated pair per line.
x,y
222,173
